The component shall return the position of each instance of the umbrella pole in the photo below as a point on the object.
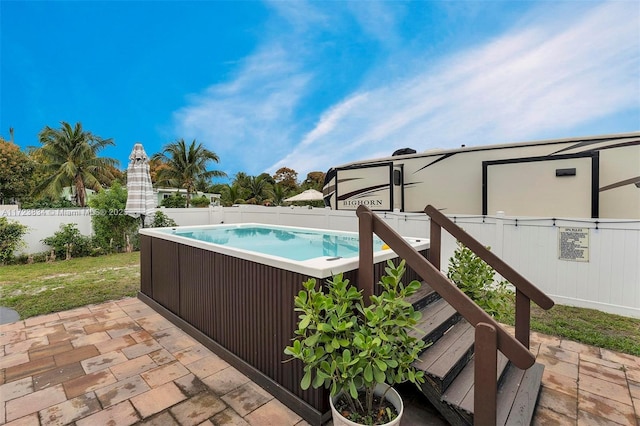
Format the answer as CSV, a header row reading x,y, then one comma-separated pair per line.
x,y
142,220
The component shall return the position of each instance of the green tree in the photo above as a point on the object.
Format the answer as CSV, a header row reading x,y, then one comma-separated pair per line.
x,y
231,194
69,158
278,194
258,188
111,226
241,180
314,180
186,165
161,220
16,169
475,278
11,233
286,177
174,201
68,242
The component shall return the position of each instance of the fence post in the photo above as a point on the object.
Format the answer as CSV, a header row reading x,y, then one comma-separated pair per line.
x,y
498,247
435,243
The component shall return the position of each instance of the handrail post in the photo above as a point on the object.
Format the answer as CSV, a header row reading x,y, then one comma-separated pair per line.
x,y
435,243
486,371
365,266
523,318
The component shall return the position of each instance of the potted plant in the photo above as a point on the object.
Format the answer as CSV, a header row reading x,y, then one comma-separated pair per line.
x,y
358,351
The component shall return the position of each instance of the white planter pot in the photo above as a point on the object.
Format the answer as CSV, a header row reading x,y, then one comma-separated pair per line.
x,y
392,396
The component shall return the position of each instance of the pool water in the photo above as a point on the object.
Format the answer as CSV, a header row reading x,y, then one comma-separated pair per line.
x,y
292,243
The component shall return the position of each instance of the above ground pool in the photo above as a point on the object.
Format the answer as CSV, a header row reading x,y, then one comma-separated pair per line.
x,y
317,252
232,287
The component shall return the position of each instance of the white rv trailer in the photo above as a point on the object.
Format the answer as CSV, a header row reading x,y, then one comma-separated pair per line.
x,y
597,177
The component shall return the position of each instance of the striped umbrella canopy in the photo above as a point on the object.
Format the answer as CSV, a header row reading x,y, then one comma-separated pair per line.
x,y
141,201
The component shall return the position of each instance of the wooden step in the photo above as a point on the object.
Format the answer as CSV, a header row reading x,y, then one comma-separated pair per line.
x,y
518,395
447,356
436,319
460,393
423,297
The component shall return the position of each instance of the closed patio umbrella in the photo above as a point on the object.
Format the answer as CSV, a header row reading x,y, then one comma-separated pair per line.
x,y
141,201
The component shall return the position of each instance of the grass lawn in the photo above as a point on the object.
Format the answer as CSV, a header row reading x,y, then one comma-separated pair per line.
x,y
43,288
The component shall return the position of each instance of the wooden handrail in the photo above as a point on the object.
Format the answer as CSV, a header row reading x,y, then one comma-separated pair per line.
x,y
525,290
510,274
370,224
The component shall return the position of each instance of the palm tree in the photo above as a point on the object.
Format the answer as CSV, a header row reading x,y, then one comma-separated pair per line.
x,y
69,158
186,165
279,193
258,186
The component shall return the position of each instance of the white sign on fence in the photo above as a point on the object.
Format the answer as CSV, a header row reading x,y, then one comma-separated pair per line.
x,y
573,244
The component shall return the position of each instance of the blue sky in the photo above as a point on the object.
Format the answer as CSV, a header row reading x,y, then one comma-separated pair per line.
x,y
311,85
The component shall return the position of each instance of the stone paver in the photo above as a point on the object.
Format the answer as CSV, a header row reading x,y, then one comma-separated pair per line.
x,y
30,368
229,418
121,363
133,367
69,411
142,348
226,380
101,362
122,414
191,385
16,389
122,390
157,399
34,402
558,402
88,383
164,374
57,375
207,366
110,345
162,419
247,398
197,409
606,408
75,355
30,420
611,391
274,413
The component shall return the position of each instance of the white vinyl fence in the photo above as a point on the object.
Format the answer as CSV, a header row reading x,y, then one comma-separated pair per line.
x,y
600,271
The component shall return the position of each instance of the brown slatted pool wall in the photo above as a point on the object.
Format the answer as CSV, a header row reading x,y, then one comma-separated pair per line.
x,y
145,265
245,307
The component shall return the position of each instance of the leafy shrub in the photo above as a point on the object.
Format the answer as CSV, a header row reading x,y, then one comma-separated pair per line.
x,y
174,201
345,345
11,234
111,226
46,203
200,201
161,220
475,278
69,241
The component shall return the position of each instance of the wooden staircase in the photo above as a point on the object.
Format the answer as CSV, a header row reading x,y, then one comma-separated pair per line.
x,y
449,365
476,372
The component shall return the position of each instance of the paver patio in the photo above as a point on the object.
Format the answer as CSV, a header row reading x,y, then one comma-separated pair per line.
x,y
122,363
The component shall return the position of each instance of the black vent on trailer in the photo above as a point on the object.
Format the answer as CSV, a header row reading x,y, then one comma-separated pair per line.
x,y
403,151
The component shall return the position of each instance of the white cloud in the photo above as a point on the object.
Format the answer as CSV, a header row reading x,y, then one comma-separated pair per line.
x,y
519,86
557,69
249,118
